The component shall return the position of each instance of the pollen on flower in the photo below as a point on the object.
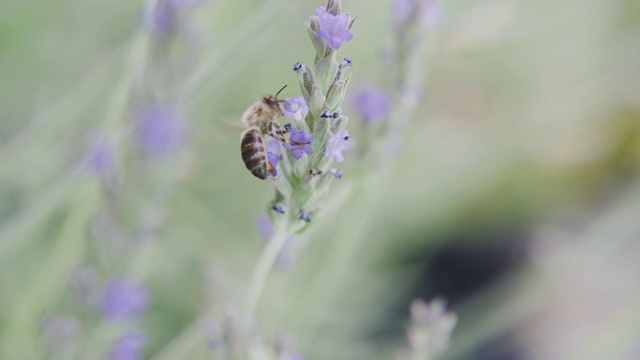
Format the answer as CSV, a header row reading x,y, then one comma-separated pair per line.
x,y
337,144
372,103
124,299
334,28
302,137
296,108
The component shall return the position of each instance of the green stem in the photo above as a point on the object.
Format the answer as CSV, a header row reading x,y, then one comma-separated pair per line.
x,y
263,268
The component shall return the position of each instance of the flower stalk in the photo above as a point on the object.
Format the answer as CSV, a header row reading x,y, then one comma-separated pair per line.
x,y
304,171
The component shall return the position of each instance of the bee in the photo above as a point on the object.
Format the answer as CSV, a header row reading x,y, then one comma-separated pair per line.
x,y
261,119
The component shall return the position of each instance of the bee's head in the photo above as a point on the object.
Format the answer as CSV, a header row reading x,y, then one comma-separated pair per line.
x,y
273,102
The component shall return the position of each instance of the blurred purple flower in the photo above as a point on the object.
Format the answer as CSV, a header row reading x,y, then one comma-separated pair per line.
x,y
100,157
372,103
124,299
302,137
161,130
296,108
129,346
162,19
164,16
337,144
286,258
333,28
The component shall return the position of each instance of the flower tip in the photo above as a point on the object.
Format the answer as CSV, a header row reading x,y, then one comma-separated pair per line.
x,y
305,216
345,63
279,208
336,173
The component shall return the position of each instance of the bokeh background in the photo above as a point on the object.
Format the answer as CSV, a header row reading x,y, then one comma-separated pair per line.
x,y
514,195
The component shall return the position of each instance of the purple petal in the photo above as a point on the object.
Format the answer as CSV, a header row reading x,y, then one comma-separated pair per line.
x,y
302,137
334,29
337,144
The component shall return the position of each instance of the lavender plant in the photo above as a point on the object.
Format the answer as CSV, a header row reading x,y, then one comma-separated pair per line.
x,y
429,330
304,172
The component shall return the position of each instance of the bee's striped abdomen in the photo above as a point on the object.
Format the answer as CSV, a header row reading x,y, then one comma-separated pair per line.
x,y
254,154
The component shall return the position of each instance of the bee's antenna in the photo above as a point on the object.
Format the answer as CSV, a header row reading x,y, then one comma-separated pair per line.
x,y
280,91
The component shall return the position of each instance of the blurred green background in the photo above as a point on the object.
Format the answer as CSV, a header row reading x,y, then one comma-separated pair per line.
x,y
515,194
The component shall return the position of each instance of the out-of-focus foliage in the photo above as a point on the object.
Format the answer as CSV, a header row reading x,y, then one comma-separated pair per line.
x,y
526,145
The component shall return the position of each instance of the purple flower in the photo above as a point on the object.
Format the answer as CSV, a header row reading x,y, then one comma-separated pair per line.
x,y
296,108
373,103
337,144
274,154
273,146
100,157
273,160
302,137
333,28
124,299
161,130
286,258
129,346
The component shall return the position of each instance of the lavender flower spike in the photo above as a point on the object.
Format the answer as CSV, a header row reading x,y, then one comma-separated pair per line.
x,y
334,28
124,299
337,144
302,137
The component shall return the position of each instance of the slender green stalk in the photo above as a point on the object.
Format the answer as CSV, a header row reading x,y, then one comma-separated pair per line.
x,y
263,268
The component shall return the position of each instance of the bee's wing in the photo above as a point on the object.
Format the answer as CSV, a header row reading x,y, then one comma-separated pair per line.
x,y
227,129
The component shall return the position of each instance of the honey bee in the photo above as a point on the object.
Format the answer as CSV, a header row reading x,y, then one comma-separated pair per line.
x,y
261,119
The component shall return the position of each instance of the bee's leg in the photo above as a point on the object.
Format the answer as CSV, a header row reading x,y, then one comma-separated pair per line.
x,y
277,133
